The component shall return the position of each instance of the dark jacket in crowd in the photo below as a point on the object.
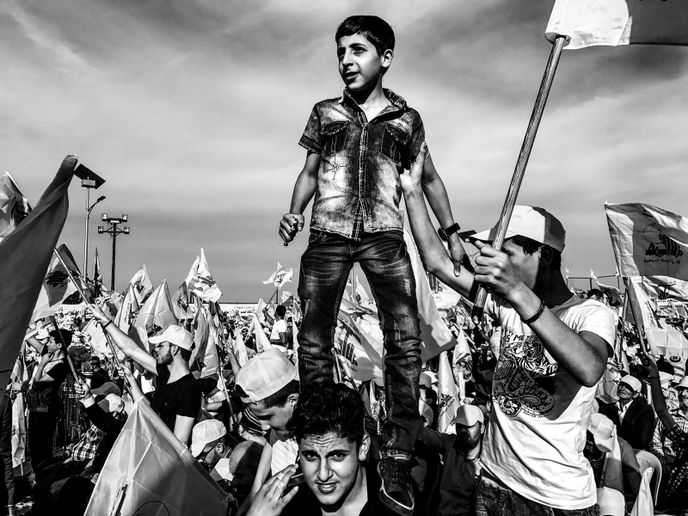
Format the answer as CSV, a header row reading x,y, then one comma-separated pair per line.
x,y
638,423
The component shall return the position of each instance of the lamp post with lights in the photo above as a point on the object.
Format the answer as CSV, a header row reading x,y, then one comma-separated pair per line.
x,y
113,230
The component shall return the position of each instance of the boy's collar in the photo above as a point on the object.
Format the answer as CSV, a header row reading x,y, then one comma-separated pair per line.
x,y
397,101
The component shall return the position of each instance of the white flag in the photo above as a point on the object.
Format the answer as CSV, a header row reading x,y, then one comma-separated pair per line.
x,y
589,23
149,471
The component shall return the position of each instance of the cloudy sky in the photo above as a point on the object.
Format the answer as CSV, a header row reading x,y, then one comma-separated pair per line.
x,y
191,111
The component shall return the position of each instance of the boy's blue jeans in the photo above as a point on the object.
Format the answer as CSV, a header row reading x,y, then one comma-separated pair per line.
x,y
325,267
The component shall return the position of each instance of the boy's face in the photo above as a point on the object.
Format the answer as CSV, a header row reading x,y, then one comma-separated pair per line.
x,y
360,66
275,418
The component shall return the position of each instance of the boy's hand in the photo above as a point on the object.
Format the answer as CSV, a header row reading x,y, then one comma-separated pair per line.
x,y
410,181
290,224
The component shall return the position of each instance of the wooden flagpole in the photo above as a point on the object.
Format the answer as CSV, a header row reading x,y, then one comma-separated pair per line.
x,y
522,162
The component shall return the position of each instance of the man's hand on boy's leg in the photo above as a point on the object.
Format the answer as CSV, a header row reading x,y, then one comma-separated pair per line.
x,y
290,224
457,252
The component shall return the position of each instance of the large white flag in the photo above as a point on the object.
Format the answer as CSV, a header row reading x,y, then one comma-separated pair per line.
x,y
653,243
149,471
142,285
619,22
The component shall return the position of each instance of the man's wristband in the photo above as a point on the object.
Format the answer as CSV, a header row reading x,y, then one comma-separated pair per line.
x,y
537,315
107,324
444,233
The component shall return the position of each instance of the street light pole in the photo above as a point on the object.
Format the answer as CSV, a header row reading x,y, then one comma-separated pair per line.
x,y
90,181
113,230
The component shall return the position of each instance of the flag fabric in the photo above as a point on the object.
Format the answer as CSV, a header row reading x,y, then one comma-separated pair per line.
x,y
97,276
149,471
56,285
662,337
180,302
283,277
13,205
240,348
156,314
127,310
271,278
653,243
262,341
96,338
434,333
201,282
19,375
201,329
142,284
588,23
25,255
447,396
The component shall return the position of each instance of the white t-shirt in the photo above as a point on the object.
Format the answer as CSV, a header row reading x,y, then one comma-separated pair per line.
x,y
280,326
535,438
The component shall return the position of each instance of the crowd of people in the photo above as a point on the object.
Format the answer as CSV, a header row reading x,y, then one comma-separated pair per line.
x,y
278,447
558,417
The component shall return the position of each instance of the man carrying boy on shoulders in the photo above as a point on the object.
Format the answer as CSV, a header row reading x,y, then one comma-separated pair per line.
x,y
358,145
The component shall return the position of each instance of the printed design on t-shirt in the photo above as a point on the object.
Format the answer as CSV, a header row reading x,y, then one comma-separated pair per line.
x,y
524,377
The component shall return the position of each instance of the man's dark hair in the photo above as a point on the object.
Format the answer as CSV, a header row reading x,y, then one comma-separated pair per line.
x,y
95,359
185,353
281,310
328,407
530,246
280,397
373,28
62,336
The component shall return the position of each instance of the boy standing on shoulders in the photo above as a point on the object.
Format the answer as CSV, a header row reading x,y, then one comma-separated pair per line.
x,y
358,145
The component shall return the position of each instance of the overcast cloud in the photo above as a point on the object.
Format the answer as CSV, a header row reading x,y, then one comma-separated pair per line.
x,y
191,111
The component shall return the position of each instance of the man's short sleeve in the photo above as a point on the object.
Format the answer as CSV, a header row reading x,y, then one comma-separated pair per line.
x,y
189,402
310,139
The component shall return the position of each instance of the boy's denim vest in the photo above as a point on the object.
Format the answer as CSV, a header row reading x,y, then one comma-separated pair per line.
x,y
358,187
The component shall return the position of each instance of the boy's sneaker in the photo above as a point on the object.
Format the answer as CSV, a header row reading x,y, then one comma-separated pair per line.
x,y
396,492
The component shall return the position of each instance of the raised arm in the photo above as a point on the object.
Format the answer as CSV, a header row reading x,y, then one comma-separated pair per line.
x,y
304,189
436,193
432,252
583,354
123,341
658,401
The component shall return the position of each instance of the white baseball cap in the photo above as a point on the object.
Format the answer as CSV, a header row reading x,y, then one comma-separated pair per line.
x,y
635,384
174,335
206,432
468,415
264,375
530,222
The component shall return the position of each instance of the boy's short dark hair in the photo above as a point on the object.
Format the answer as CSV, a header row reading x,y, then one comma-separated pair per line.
x,y
280,397
327,407
373,28
530,246
281,310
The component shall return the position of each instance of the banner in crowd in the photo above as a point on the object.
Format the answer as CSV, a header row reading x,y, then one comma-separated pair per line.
x,y
142,285
13,205
619,22
149,471
662,337
447,396
280,277
25,255
57,287
200,281
653,243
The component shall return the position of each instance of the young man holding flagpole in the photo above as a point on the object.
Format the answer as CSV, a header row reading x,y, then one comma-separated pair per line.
x,y
553,350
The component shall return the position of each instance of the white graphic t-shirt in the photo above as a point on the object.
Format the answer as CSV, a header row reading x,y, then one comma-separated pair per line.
x,y
536,434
